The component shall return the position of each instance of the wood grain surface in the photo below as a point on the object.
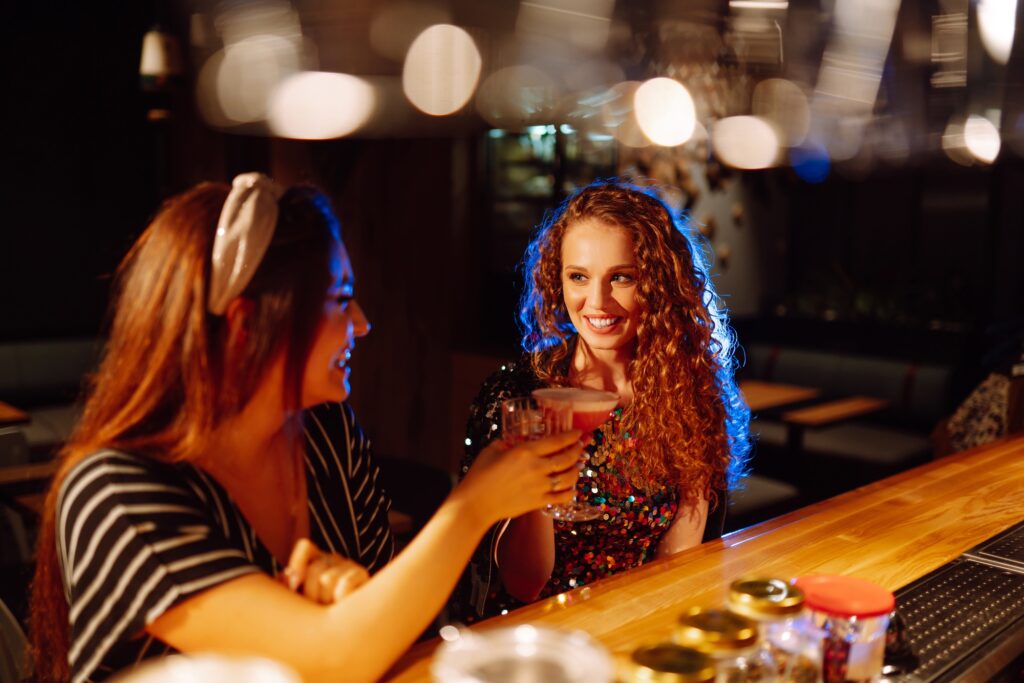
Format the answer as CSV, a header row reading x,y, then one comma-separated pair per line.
x,y
763,395
834,411
890,532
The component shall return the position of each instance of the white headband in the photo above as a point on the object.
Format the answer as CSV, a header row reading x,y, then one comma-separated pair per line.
x,y
244,231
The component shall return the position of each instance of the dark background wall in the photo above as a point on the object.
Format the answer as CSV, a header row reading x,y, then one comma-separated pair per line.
x,y
917,258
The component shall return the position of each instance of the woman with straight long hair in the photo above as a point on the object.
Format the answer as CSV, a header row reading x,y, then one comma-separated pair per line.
x,y
217,494
617,297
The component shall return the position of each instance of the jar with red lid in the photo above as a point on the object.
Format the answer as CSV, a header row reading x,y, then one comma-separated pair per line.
x,y
851,616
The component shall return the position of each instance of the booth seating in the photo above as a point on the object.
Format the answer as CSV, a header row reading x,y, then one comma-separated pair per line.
x,y
855,452
44,378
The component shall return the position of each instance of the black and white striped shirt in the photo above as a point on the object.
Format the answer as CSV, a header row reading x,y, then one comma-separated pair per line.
x,y
136,536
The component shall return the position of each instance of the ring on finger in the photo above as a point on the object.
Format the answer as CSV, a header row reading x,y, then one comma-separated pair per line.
x,y
553,478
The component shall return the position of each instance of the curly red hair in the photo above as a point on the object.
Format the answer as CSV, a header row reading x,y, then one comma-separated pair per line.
x,y
687,414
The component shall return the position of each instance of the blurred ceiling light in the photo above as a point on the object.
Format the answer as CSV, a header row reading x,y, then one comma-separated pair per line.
x,y
851,67
161,57
441,70
394,27
810,161
949,50
665,111
747,142
517,96
981,138
316,105
584,23
784,104
246,72
759,4
996,21
953,143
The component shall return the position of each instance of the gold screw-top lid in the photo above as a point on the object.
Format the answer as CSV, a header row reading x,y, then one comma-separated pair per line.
x,y
715,631
765,598
668,663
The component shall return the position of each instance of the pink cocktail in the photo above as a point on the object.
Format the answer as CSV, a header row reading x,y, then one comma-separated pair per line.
x,y
590,409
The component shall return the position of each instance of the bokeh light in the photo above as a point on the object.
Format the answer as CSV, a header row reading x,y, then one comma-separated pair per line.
x,y
665,111
747,142
810,161
953,143
441,70
315,105
981,138
618,116
247,72
517,96
784,104
996,24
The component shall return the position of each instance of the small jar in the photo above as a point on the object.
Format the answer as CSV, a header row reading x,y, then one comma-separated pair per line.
x,y
850,616
730,640
667,663
785,627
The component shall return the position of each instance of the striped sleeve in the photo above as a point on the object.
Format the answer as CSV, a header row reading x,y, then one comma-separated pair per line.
x,y
348,504
133,540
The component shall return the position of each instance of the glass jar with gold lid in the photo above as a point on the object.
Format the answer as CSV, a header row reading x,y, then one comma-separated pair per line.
x,y
667,663
785,626
730,640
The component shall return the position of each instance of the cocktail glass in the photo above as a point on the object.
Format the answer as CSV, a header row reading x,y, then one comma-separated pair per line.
x,y
524,419
590,409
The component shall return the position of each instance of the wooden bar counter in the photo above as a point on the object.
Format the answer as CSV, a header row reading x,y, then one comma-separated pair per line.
x,y
891,532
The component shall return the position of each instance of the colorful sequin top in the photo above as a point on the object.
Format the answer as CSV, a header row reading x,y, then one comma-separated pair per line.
x,y
626,535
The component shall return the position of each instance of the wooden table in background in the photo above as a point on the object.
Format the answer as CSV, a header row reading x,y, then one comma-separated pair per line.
x,y
824,414
764,395
9,415
890,532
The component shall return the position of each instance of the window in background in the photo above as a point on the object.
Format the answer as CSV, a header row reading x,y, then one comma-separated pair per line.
x,y
529,173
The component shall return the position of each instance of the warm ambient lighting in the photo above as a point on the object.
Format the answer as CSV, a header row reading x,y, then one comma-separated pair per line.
x,y
665,111
315,105
441,70
784,104
160,55
981,139
996,21
746,142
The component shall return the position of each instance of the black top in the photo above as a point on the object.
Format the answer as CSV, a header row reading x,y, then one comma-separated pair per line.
x,y
136,537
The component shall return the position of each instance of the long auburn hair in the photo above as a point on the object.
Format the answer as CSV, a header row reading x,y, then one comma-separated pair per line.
x,y
688,418
169,374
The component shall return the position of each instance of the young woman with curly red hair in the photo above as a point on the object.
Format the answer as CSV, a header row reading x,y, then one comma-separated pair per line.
x,y
617,297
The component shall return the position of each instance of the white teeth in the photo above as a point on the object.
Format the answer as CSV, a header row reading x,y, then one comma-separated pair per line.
x,y
602,322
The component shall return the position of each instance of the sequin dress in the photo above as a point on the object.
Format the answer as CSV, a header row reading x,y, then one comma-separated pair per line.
x,y
626,535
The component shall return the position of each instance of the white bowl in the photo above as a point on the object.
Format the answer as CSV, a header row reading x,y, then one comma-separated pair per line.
x,y
522,654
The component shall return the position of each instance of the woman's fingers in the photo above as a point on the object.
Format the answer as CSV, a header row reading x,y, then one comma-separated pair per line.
x,y
331,577
294,575
349,579
323,577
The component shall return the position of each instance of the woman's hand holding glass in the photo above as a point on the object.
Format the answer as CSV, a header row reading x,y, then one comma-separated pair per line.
x,y
510,480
